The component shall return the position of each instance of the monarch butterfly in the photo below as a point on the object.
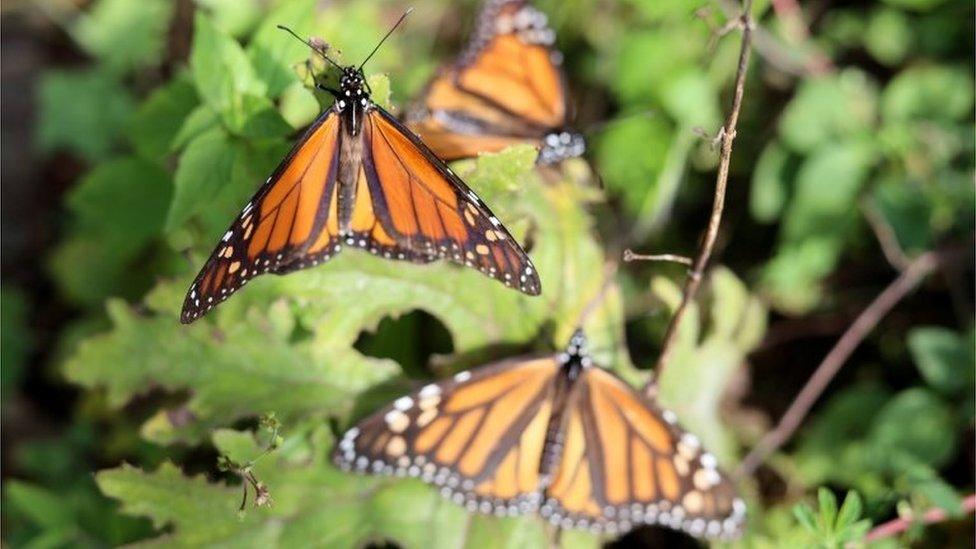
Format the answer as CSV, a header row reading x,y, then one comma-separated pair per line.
x,y
358,178
554,435
507,87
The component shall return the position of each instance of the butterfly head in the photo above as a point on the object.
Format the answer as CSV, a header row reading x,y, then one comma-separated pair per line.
x,y
352,84
576,357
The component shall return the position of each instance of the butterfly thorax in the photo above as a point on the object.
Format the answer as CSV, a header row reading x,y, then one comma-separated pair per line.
x,y
353,99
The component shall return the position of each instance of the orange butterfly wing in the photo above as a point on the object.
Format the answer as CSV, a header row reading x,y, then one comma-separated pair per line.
x,y
625,462
479,436
290,222
428,211
507,88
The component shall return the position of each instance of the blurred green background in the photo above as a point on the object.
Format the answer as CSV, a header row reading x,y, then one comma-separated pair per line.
x,y
134,129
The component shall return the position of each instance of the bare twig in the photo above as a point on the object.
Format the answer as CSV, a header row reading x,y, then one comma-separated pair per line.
x,y
885,234
919,268
629,256
718,204
787,59
932,516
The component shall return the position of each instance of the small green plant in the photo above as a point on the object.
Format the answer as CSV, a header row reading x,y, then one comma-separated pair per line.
x,y
829,527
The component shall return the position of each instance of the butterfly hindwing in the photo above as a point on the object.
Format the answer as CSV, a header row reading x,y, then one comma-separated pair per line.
x,y
670,479
478,436
290,222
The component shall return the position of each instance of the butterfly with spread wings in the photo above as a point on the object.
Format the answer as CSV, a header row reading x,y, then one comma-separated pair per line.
x,y
555,435
506,88
358,178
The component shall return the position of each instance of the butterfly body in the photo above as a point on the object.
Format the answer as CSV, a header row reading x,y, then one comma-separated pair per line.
x,y
506,88
358,178
553,435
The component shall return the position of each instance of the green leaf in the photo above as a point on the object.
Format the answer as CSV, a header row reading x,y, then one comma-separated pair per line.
x,y
828,509
147,190
124,34
827,109
273,53
199,121
222,71
632,153
692,100
44,507
941,92
702,367
888,36
299,107
110,251
850,511
917,423
160,117
81,111
260,119
205,167
944,358
239,372
817,222
235,17
771,182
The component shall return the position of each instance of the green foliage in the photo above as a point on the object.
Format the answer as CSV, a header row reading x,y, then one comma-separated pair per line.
x,y
172,148
82,111
829,527
124,34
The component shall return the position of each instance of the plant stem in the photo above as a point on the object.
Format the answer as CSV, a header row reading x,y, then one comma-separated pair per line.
x,y
909,278
727,135
932,516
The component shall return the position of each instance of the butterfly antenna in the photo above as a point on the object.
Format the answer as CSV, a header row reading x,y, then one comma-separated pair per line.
x,y
309,44
393,28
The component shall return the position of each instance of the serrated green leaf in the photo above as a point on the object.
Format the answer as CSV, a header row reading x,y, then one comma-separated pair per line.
x,y
124,34
205,167
222,71
160,118
702,366
273,52
82,111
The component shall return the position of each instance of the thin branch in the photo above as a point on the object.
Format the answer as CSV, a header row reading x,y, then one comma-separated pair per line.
x,y
932,516
919,268
886,236
780,55
629,256
718,204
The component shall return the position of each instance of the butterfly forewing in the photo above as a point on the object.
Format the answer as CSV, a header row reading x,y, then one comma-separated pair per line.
x,y
290,223
478,436
428,210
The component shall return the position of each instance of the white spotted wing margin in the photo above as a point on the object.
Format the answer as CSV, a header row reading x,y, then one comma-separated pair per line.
x,y
557,436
